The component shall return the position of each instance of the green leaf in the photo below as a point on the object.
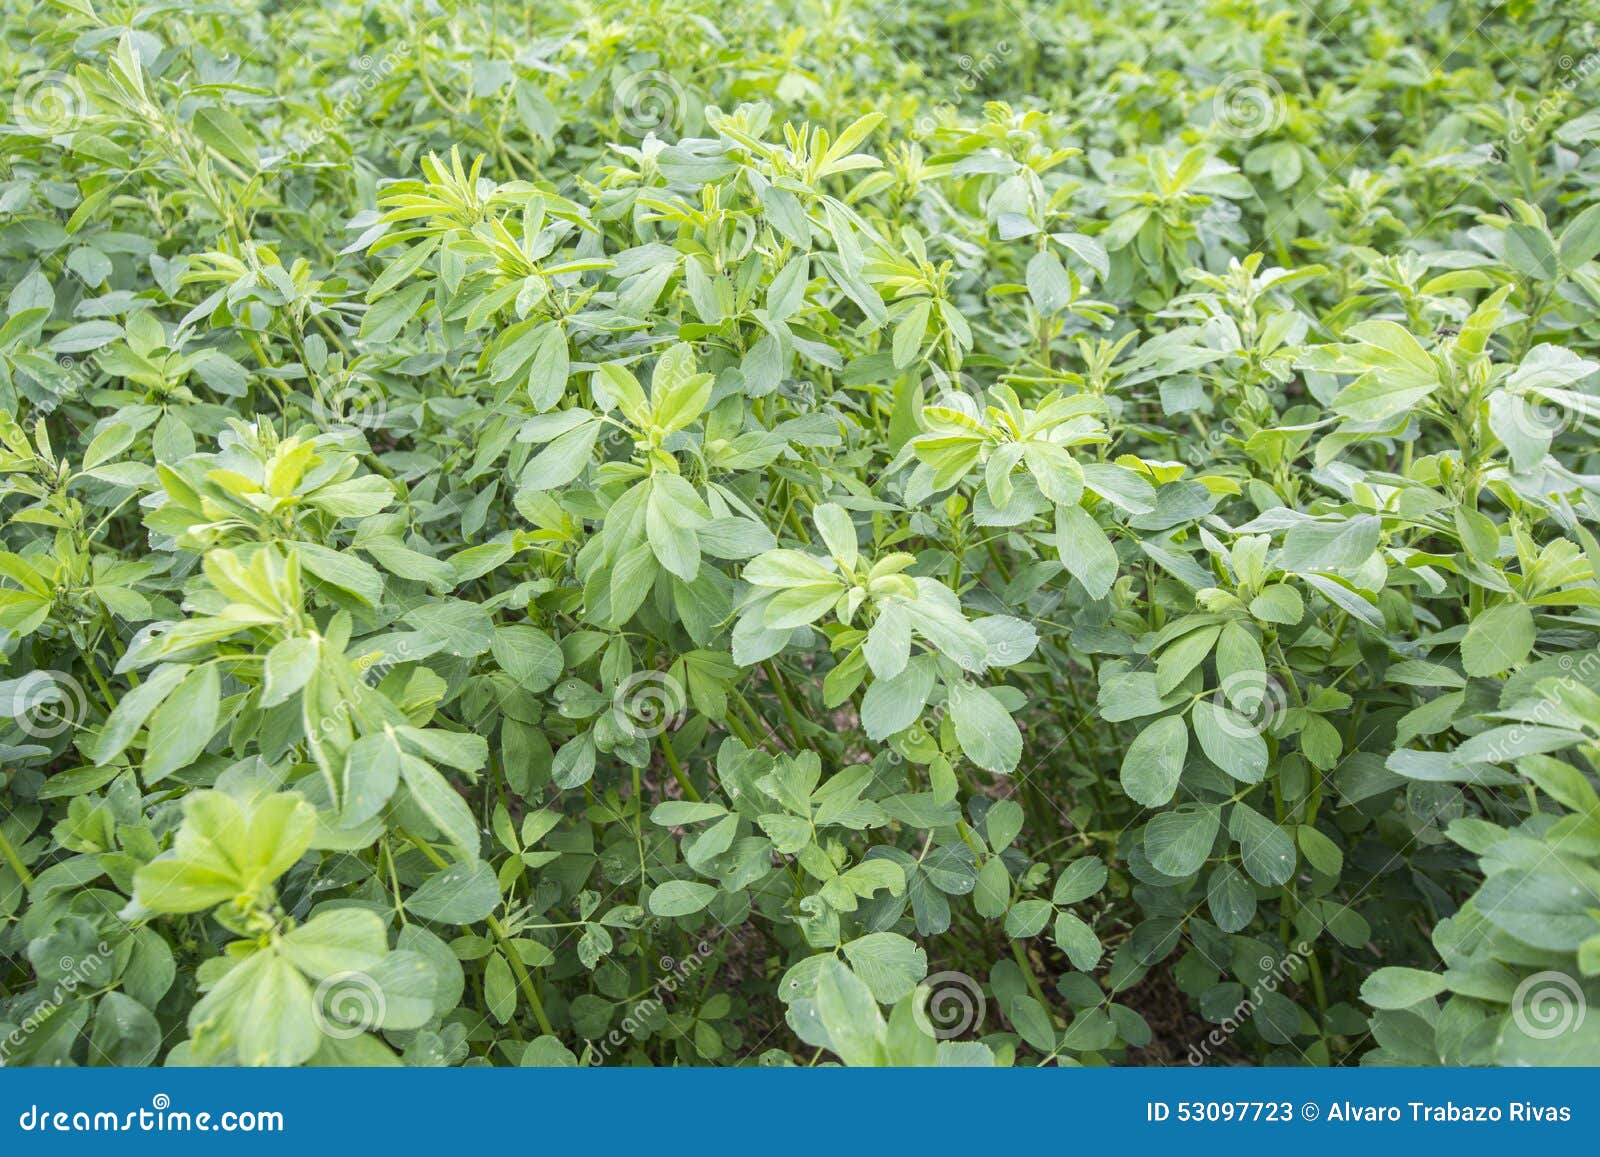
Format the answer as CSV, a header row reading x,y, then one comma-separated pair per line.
x,y
260,1013
1032,1022
1230,741
1580,240
1394,988
680,898
1082,879
528,655
889,964
439,801
1027,918
463,893
1179,842
1153,763
133,709
549,367
1230,898
849,1015
499,989
1320,851
1078,941
1498,639
1265,849
1319,546
183,724
891,705
343,940
125,1033
1530,251
289,664
987,733
1085,550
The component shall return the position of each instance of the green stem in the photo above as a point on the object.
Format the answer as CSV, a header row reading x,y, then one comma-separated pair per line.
x,y
1027,972
11,857
507,949
775,677
677,769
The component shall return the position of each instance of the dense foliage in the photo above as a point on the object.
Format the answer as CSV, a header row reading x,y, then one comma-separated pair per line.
x,y
679,533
